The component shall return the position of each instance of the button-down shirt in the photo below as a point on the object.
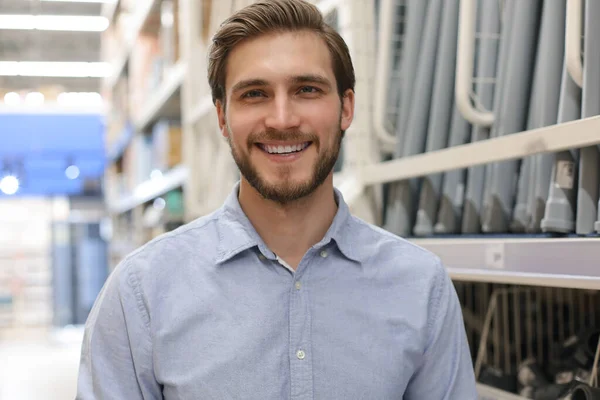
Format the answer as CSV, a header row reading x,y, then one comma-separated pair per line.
x,y
209,312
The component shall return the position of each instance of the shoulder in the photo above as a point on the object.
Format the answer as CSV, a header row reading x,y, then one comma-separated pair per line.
x,y
377,243
190,245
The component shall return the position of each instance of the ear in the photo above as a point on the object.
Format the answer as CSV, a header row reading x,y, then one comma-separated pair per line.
x,y
222,118
347,109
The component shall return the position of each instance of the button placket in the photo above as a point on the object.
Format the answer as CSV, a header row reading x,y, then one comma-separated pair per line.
x,y
300,340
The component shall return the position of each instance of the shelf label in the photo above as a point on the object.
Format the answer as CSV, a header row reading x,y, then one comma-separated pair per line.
x,y
494,255
564,174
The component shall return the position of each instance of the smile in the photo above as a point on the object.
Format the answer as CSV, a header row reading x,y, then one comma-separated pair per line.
x,y
284,149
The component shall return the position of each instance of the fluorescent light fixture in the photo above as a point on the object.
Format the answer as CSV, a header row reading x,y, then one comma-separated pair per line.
x,y
9,185
80,98
12,99
55,69
84,1
34,99
54,23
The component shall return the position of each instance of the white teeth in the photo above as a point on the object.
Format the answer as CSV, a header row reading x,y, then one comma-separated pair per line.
x,y
285,149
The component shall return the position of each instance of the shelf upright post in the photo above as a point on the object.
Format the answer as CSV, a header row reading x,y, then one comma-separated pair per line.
x,y
191,48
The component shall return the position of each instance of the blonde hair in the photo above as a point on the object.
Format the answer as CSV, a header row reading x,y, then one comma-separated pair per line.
x,y
269,16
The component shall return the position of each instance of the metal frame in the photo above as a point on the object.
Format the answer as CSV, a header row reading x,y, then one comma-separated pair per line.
x,y
551,262
573,40
465,66
568,135
383,65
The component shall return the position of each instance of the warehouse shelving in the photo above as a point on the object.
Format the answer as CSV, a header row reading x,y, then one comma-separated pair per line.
x,y
151,189
136,121
140,18
570,262
200,110
564,136
164,103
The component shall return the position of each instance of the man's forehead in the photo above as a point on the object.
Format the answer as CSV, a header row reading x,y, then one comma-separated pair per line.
x,y
280,57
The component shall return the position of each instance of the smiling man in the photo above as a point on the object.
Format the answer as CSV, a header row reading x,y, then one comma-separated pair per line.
x,y
281,293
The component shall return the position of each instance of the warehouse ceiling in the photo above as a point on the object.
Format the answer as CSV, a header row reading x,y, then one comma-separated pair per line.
x,y
43,45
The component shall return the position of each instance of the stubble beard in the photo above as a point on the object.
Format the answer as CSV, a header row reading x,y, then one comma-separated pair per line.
x,y
285,192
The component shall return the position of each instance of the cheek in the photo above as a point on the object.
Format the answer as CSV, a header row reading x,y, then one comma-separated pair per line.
x,y
238,132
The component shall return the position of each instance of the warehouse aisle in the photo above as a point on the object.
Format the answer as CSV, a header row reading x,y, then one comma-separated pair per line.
x,y
37,367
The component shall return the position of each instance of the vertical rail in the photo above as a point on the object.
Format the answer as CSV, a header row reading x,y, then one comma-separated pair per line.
x,y
464,66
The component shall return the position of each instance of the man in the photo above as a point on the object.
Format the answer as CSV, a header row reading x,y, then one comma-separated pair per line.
x,y
281,293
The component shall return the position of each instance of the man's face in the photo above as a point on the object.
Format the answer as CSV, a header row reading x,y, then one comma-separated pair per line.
x,y
284,117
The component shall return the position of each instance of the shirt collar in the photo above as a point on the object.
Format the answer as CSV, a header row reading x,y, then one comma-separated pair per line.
x,y
237,234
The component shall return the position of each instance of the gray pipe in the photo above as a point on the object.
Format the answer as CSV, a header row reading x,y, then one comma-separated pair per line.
x,y
512,114
400,217
451,203
495,27
440,115
589,160
551,57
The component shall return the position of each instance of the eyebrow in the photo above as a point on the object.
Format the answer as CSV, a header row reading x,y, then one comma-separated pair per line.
x,y
308,78
311,78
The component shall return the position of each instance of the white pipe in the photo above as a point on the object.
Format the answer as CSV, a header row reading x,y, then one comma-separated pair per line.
x,y
382,75
464,66
573,41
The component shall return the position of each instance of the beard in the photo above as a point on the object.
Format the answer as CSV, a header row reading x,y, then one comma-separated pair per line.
x,y
286,191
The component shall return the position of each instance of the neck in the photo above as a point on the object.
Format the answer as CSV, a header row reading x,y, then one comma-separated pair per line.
x,y
290,230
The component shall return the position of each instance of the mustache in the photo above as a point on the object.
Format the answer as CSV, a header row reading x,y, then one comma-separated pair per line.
x,y
277,135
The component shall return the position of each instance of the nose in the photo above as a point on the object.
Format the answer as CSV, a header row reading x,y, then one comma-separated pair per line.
x,y
282,114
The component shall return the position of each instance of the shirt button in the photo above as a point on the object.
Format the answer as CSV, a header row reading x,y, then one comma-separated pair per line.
x,y
323,253
298,285
261,257
300,354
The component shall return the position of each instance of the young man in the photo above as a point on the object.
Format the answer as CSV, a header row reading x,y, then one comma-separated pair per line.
x,y
281,293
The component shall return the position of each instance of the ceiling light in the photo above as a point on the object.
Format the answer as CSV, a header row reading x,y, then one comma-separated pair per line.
x,y
34,99
12,99
80,98
72,172
9,185
55,69
54,22
84,1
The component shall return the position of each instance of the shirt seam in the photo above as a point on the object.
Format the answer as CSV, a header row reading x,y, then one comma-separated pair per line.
x,y
438,292
172,234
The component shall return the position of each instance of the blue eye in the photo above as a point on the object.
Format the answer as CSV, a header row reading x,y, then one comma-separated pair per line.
x,y
308,89
252,93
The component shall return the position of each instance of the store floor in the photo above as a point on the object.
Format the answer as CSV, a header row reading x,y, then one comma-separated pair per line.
x,y
36,366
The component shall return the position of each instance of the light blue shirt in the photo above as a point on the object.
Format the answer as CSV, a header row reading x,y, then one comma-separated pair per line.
x,y
208,312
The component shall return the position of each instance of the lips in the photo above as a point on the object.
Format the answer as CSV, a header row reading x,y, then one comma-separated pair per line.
x,y
283,149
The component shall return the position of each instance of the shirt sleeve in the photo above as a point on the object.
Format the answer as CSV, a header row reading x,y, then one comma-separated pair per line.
x,y
116,356
447,369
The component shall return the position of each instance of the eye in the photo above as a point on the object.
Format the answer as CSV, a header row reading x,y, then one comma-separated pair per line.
x,y
309,89
252,94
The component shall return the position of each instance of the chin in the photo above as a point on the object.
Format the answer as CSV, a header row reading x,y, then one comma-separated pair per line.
x,y
285,191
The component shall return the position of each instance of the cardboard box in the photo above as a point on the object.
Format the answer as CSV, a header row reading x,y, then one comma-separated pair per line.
x,y
166,145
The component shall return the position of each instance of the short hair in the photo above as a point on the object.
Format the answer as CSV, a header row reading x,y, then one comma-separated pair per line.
x,y
269,16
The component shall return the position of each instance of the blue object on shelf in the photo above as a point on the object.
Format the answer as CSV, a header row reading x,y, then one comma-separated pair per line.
x,y
38,148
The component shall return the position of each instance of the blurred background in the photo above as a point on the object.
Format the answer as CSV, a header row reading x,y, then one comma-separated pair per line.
x,y
476,137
